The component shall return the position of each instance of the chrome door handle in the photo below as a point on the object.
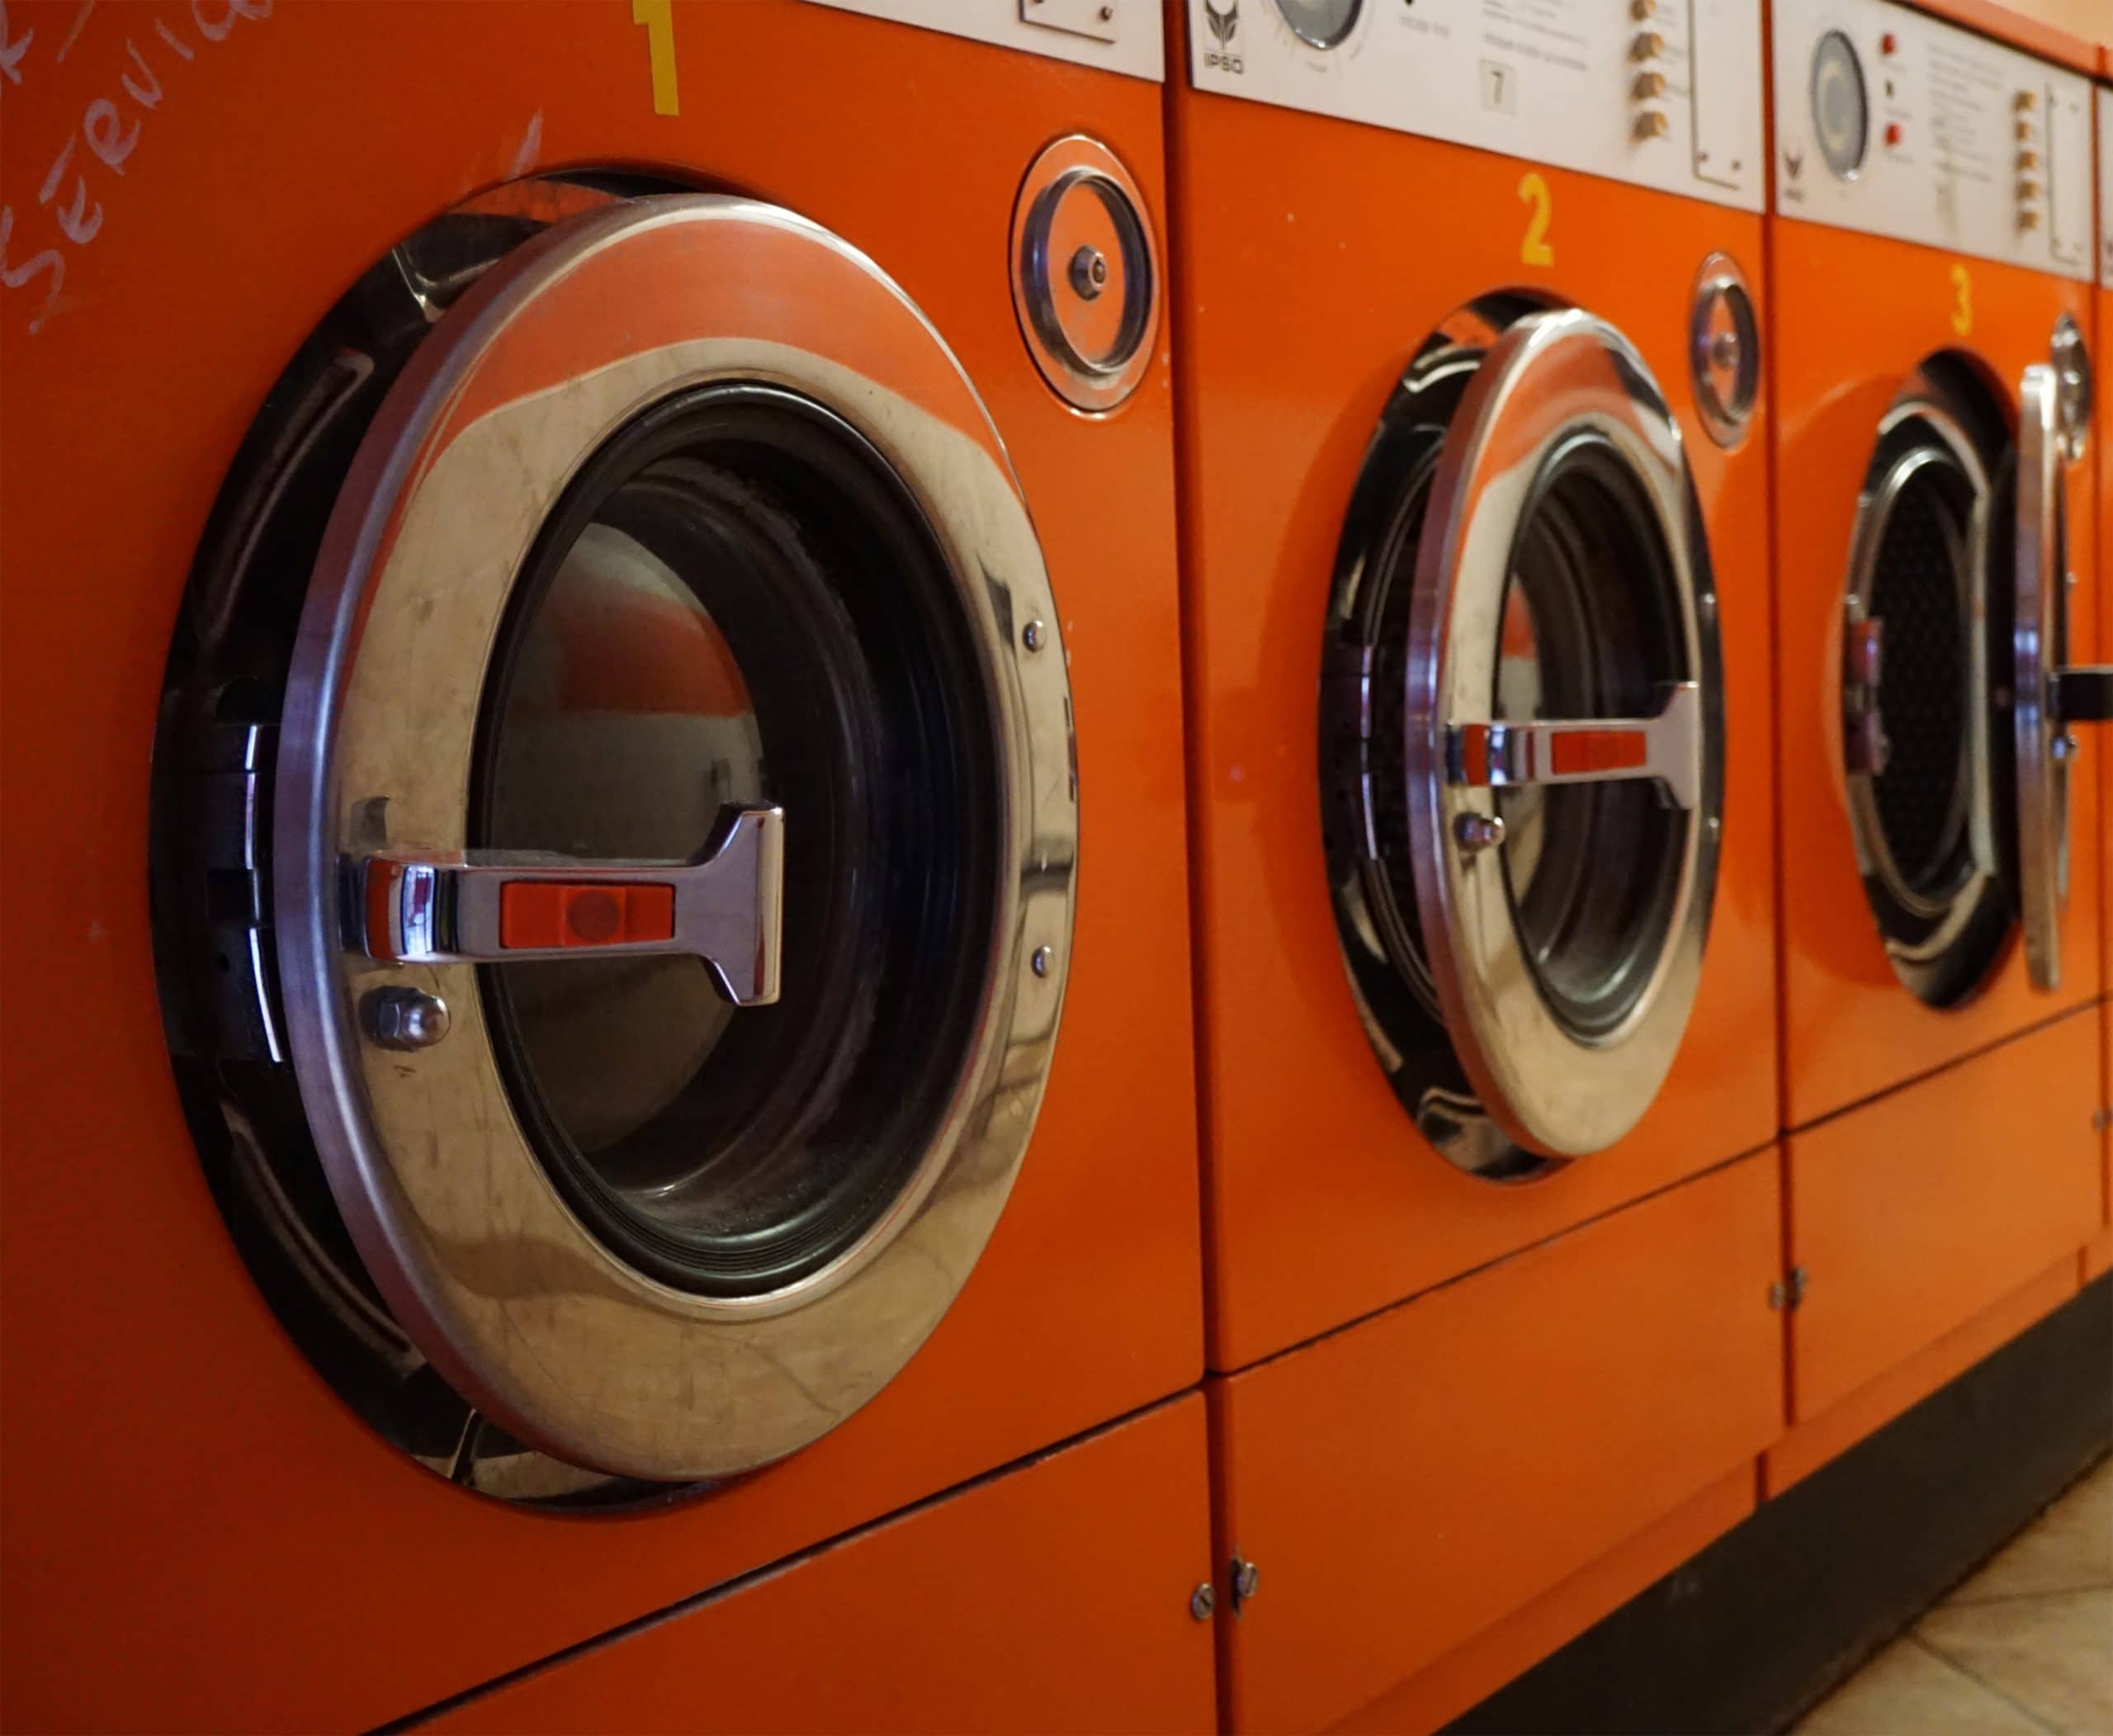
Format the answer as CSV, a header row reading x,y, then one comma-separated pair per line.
x,y
723,906
1668,747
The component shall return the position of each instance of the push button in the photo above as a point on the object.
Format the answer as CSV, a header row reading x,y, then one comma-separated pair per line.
x,y
551,913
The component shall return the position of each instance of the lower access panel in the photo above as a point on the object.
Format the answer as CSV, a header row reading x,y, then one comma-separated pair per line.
x,y
1403,1484
1914,1213
1053,1597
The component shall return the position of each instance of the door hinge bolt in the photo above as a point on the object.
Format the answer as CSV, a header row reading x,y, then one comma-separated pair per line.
x,y
404,1018
1478,831
1202,1601
1787,1292
1246,1580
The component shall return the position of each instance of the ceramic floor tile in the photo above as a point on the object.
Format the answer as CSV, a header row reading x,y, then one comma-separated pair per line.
x,y
2069,1548
2052,1655
1908,1691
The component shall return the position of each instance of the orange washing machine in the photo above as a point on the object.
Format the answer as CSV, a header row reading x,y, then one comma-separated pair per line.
x,y
1941,846
592,673
2102,395
1475,512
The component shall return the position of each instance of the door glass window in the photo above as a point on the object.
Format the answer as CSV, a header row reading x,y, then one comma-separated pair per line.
x,y
1584,637
712,625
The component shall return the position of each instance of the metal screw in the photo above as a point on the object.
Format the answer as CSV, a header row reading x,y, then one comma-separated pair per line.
x,y
1202,1601
404,1018
1031,636
1106,14
1246,1577
1478,831
1089,273
1043,959
1724,350
2063,746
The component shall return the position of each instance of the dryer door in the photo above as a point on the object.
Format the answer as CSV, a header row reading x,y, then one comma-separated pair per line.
x,y
674,838
2049,695
1530,812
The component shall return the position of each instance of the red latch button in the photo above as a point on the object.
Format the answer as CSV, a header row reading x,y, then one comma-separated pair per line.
x,y
552,913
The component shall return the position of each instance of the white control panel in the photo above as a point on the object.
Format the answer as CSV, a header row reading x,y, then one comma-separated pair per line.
x,y
2105,188
1889,122
1658,93
1118,35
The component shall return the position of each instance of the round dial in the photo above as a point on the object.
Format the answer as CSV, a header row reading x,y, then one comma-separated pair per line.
x,y
1322,23
1841,113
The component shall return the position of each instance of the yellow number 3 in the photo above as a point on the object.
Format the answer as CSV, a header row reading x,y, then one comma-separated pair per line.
x,y
1962,302
1534,249
659,18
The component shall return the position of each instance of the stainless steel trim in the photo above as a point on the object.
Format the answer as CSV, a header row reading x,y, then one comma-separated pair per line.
x,y
520,1308
1094,384
1723,350
1860,699
1546,379
727,904
1668,747
2070,358
2040,579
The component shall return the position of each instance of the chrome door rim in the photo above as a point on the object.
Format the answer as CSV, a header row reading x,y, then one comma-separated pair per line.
x,y
475,1252
1875,852
2040,576
1547,1087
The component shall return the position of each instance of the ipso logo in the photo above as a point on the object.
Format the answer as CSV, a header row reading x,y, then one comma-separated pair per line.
x,y
1223,26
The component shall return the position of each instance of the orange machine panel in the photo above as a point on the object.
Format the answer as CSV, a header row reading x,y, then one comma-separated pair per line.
x,y
1053,1597
1914,1214
1493,1656
1812,1443
2102,544
1854,314
1324,1202
215,1493
1407,1481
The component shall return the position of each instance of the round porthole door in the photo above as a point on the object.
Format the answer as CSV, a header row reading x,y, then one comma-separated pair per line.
x,y
1522,739
2051,695
1917,728
673,829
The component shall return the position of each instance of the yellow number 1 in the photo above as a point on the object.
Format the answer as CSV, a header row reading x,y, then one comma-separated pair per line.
x,y
659,18
1962,305
1534,249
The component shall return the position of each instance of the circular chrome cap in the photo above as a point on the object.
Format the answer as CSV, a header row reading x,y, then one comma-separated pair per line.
x,y
2070,358
1322,24
1723,350
596,328
1085,274
1550,381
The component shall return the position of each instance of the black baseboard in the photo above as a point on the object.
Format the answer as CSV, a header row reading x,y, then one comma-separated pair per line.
x,y
1748,1633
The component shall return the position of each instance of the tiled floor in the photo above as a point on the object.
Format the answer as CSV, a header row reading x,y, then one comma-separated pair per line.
x,y
2025,1646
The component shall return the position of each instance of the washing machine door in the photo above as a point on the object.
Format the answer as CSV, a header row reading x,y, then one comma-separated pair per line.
x,y
1522,744
673,838
1923,784
2051,695
1564,741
